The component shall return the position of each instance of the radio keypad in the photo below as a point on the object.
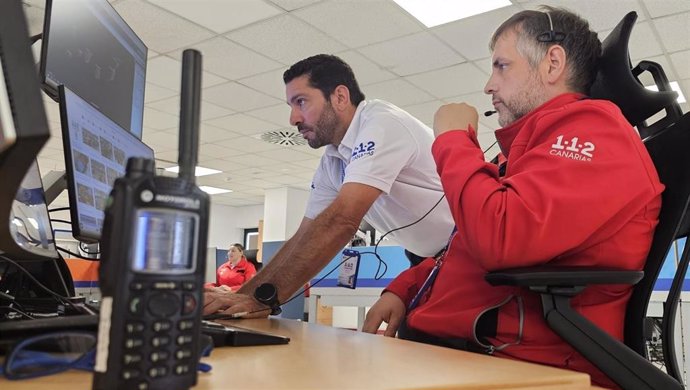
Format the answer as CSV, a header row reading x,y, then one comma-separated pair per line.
x,y
168,338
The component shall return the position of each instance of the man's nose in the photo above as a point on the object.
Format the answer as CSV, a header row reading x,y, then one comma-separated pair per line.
x,y
295,117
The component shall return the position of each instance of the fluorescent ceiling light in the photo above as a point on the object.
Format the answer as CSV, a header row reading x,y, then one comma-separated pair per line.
x,y
214,190
674,86
435,12
199,171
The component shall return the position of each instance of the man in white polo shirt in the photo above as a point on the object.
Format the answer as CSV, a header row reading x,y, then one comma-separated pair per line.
x,y
377,166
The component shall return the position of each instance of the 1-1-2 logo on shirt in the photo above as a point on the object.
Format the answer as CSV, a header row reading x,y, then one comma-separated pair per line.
x,y
363,149
572,149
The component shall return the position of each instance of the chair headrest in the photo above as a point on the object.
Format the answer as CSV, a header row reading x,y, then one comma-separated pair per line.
x,y
616,82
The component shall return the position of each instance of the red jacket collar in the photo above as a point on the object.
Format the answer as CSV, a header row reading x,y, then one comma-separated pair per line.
x,y
505,136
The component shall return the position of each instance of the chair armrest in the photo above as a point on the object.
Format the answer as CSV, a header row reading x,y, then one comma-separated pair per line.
x,y
555,276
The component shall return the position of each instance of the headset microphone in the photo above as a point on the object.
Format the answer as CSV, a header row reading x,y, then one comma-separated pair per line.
x,y
490,112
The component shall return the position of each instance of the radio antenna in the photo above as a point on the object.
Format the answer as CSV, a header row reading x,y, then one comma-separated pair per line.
x,y
190,101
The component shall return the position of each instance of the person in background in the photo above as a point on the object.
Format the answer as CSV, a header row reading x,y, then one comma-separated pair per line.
x,y
235,272
579,189
377,166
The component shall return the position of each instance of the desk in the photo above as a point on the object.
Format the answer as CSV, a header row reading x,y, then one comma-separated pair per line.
x,y
339,296
322,357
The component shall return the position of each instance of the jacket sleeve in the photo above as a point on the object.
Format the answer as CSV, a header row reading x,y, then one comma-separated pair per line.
x,y
548,204
406,285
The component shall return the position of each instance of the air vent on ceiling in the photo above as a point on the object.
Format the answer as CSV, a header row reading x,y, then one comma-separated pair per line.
x,y
283,137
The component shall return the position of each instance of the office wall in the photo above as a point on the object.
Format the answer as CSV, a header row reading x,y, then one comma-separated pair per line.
x,y
227,223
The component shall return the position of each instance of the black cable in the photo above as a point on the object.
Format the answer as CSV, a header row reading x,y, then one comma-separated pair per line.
x,y
58,209
60,298
76,255
60,220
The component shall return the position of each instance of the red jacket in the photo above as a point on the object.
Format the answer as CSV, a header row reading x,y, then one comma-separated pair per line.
x,y
579,189
235,277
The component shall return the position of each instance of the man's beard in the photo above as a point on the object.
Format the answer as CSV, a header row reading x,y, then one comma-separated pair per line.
x,y
530,97
324,128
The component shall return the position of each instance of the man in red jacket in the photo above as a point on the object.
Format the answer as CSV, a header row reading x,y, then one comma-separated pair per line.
x,y
579,189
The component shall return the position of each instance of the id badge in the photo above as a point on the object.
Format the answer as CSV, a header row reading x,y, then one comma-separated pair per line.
x,y
347,274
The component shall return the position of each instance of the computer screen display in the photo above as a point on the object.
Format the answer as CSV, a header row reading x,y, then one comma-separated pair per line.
x,y
96,153
91,50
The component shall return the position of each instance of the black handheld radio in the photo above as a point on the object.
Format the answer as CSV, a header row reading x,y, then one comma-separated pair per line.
x,y
153,263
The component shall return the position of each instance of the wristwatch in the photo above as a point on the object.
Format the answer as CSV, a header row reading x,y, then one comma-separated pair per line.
x,y
268,295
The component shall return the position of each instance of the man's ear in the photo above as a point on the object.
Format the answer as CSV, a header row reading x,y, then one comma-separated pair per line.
x,y
555,64
340,98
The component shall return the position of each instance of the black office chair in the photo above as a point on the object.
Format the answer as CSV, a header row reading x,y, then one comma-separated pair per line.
x,y
668,142
251,254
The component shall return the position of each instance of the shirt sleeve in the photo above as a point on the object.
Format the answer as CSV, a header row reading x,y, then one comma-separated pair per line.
x,y
550,202
323,192
408,282
383,147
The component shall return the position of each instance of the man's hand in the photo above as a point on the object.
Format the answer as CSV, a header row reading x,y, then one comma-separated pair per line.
x,y
389,309
455,116
231,303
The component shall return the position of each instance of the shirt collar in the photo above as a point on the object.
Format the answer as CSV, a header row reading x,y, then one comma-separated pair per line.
x,y
506,135
344,150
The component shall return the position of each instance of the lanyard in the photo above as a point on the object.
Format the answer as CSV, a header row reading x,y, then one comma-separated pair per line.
x,y
342,171
432,275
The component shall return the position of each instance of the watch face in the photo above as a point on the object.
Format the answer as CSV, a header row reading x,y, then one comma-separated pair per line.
x,y
266,293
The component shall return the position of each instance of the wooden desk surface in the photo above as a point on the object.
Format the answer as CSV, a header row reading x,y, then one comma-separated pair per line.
x,y
321,357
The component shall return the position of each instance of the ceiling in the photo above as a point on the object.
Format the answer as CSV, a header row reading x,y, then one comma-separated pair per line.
x,y
247,44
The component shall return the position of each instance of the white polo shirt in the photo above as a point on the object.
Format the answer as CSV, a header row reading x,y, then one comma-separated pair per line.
x,y
389,149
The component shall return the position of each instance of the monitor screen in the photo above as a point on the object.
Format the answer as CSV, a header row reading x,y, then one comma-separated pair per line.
x,y
96,153
91,50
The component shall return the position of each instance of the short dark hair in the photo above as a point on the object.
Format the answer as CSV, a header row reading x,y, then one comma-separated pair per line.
x,y
581,44
326,72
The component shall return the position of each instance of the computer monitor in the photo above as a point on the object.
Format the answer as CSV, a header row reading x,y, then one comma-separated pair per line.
x,y
96,153
90,49
25,232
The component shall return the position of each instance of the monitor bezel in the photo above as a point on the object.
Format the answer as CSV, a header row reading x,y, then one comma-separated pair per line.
x,y
77,232
51,88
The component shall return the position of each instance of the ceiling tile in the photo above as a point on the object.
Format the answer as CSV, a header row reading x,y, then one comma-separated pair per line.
x,y
681,62
643,42
287,154
278,114
172,106
166,72
659,8
470,36
484,65
412,54
232,61
424,111
601,15
286,39
291,5
226,166
271,83
157,120
238,97
243,124
674,31
160,140
160,30
398,91
366,72
360,22
455,80
226,15
248,145
210,133
154,93
257,161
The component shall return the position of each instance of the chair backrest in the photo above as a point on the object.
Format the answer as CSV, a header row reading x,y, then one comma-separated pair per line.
x,y
617,80
251,255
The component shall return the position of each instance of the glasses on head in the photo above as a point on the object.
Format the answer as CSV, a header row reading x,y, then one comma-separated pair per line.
x,y
50,353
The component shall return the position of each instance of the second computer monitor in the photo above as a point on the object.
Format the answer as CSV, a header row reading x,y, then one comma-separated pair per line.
x,y
96,153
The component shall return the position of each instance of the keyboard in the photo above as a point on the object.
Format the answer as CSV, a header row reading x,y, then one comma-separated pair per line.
x,y
222,335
